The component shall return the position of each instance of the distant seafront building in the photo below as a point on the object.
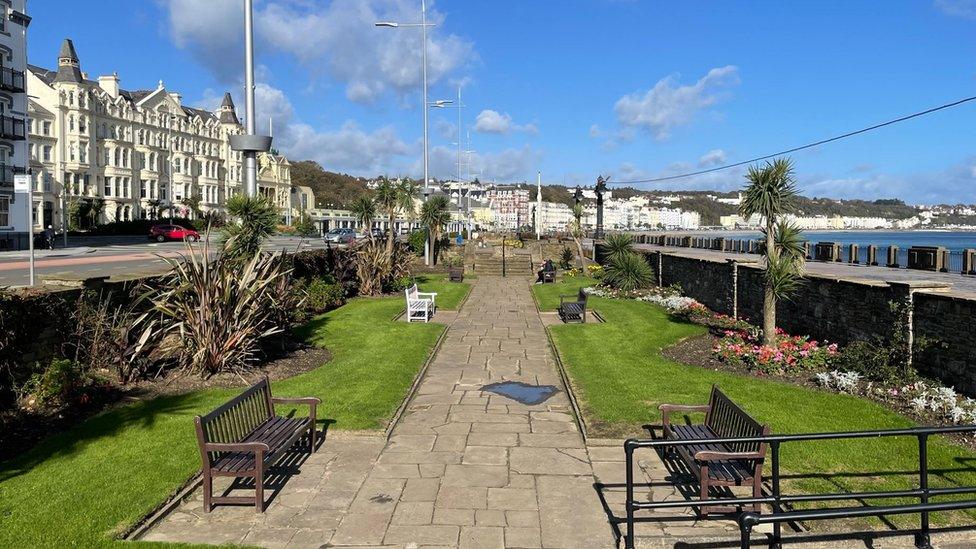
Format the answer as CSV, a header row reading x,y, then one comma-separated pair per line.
x,y
13,111
124,155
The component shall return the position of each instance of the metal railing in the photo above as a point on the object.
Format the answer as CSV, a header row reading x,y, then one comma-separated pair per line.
x,y
11,80
776,499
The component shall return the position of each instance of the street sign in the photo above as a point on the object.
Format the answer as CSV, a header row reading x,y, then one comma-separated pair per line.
x,y
21,183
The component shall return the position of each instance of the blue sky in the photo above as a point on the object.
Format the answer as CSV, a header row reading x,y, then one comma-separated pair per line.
x,y
630,88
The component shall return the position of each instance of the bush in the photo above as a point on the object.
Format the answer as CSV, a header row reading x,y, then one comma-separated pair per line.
x,y
628,271
322,295
140,226
399,284
876,361
566,258
617,245
60,383
416,242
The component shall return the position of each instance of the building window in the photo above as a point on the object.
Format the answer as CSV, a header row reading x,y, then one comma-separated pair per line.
x,y
46,127
4,211
47,153
82,124
83,153
108,186
142,188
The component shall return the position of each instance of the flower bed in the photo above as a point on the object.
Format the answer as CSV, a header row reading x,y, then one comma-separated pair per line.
x,y
789,353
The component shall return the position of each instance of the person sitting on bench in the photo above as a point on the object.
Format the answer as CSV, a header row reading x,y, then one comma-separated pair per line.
x,y
547,267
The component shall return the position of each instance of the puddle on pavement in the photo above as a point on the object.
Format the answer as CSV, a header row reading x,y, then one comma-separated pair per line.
x,y
522,392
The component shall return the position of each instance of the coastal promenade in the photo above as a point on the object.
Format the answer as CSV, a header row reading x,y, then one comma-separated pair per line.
x,y
956,283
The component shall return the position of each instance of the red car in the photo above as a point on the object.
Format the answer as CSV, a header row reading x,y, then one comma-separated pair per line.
x,y
162,233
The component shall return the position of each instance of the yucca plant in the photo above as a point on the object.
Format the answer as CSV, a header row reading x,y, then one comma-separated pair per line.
x,y
376,268
434,215
256,218
213,312
628,271
771,193
364,210
618,244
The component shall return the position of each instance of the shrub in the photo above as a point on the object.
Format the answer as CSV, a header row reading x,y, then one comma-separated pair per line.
x,y
213,312
616,245
400,284
140,226
323,294
627,272
61,382
595,271
416,242
566,258
103,335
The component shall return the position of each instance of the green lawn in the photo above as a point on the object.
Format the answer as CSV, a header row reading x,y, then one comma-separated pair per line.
x,y
449,294
81,487
620,376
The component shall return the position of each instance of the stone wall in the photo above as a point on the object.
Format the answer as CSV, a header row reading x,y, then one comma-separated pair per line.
x,y
839,310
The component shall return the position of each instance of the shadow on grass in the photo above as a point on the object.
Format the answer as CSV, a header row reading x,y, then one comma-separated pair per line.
x,y
140,415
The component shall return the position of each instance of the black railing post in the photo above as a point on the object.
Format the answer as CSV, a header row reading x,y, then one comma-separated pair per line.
x,y
746,523
922,539
629,454
777,540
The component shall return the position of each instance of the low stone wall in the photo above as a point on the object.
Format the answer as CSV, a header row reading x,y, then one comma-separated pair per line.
x,y
840,310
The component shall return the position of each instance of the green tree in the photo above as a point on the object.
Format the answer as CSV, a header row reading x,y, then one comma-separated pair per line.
x,y
393,198
772,193
193,203
364,210
434,215
304,226
256,218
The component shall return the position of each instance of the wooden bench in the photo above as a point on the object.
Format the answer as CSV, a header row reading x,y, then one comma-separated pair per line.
x,y
456,274
420,305
737,464
548,276
575,309
243,438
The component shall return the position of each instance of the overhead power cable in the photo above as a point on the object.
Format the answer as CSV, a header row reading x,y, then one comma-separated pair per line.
x,y
800,148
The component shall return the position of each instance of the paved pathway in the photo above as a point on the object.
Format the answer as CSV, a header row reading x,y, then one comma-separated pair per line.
x,y
463,468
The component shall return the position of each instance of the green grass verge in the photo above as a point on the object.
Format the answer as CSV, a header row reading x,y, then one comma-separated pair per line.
x,y
84,486
620,377
449,294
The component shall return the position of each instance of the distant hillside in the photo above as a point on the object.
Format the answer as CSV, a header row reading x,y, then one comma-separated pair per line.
x,y
333,188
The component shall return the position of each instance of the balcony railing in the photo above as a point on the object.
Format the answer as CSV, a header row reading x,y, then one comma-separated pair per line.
x,y
12,128
12,80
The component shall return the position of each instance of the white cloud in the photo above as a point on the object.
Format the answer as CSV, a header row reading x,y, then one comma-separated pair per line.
x,y
595,131
957,8
492,121
954,184
513,164
669,105
714,157
336,38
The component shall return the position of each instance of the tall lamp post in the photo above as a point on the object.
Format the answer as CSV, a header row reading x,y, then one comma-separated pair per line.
x,y
250,144
601,187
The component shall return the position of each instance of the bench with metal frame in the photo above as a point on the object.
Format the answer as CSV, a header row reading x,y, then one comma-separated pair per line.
x,y
748,520
243,438
575,309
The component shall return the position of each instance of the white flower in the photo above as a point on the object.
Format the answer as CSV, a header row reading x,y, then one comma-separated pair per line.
x,y
957,414
919,404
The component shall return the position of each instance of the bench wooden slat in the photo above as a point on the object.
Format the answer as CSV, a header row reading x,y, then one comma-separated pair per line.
x,y
248,418
724,419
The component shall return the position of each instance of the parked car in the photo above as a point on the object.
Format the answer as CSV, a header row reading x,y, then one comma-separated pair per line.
x,y
162,233
341,236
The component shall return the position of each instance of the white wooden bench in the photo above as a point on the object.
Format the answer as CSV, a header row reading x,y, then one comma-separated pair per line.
x,y
420,305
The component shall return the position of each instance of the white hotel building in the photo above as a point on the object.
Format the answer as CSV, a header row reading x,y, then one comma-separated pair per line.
x,y
133,154
13,112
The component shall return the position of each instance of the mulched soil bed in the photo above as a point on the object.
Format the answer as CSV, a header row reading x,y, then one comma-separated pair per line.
x,y
697,351
21,430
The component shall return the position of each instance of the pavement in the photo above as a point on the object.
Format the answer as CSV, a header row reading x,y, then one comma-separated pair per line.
x,y
465,467
958,284
111,256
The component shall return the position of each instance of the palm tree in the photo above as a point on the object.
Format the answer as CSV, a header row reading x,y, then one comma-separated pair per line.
x,y
576,229
257,218
434,215
364,210
771,193
391,198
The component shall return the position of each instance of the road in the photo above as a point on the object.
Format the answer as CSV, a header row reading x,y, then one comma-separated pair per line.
x,y
112,256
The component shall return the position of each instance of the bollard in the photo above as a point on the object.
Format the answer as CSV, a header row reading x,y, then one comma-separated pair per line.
x,y
968,257
872,255
806,250
893,257
944,268
852,254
